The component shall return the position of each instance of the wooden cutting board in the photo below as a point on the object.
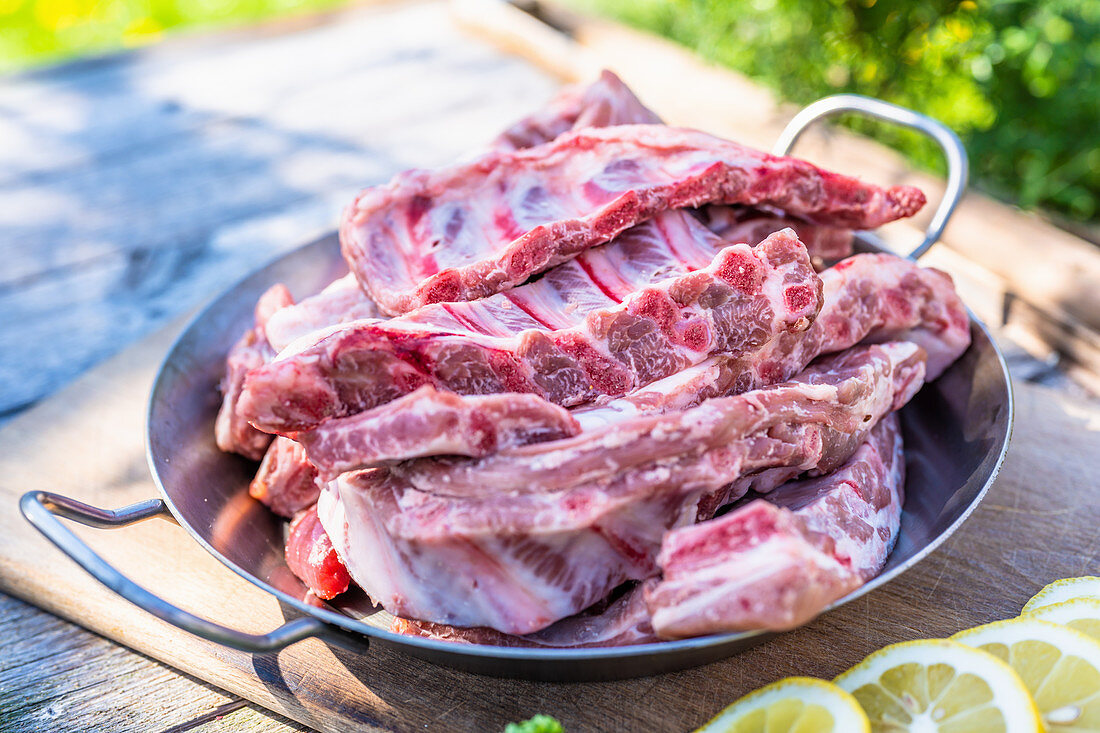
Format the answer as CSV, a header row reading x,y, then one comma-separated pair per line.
x,y
1038,523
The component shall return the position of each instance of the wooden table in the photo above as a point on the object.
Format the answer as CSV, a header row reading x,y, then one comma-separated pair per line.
x,y
137,186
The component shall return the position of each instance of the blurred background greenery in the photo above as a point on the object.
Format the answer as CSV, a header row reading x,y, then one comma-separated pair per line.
x,y
1018,80
34,32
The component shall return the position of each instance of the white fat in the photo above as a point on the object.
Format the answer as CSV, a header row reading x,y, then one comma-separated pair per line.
x,y
305,341
598,417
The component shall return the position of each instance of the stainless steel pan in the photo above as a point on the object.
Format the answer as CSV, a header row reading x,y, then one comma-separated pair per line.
x,y
956,432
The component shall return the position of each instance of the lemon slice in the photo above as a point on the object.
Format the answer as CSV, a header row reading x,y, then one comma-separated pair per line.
x,y
1081,614
795,704
935,685
1064,590
1060,666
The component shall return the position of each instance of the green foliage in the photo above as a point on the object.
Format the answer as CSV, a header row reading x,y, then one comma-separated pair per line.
x,y
1019,81
39,31
537,724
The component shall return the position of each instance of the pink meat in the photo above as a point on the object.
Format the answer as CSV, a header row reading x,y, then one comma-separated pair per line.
x,y
608,102
599,326
479,228
286,481
751,225
341,301
428,422
858,506
604,103
876,379
872,297
776,564
517,560
868,298
231,429
310,556
623,622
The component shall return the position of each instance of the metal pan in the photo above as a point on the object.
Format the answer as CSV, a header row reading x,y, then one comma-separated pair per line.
x,y
956,434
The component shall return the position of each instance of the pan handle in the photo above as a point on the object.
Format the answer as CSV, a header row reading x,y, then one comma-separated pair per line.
x,y
42,510
958,166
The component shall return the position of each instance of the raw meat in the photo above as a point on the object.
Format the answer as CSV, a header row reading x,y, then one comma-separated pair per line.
x,y
608,285
604,103
310,556
428,422
478,228
602,325
868,298
232,432
859,505
876,380
753,570
751,225
608,102
342,301
622,622
876,297
518,560
776,564
286,481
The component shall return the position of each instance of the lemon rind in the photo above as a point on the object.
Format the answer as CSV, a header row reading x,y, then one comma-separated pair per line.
x,y
1010,694
1066,611
1028,628
848,717
1066,589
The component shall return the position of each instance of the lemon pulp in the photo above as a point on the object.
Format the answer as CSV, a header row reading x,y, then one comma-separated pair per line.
x,y
1059,666
939,686
792,705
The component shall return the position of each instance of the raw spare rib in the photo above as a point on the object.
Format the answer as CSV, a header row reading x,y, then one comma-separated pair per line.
x,y
623,622
341,301
877,296
752,224
881,378
286,481
310,556
478,228
231,429
278,321
602,324
867,298
430,422
605,102
776,564
517,561
849,314
608,102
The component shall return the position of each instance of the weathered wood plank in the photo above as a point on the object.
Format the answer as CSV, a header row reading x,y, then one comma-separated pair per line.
x,y
59,677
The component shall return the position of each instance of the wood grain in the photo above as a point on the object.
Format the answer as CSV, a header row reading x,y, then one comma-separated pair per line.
x,y
1037,524
58,677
